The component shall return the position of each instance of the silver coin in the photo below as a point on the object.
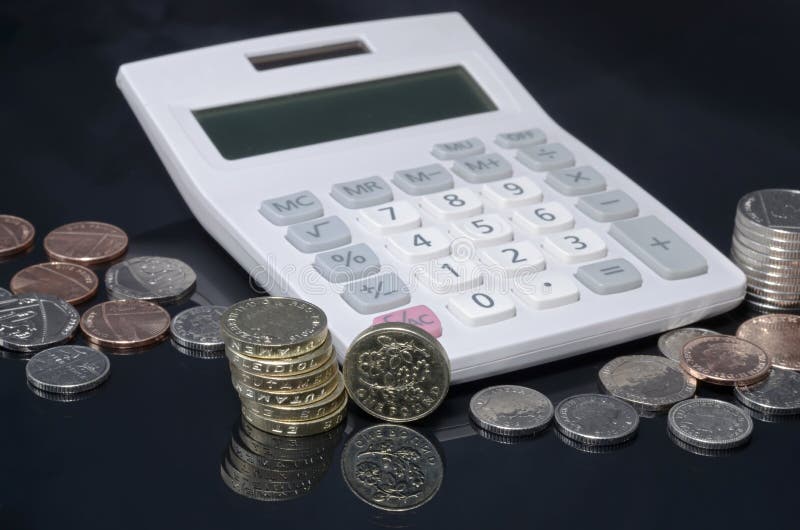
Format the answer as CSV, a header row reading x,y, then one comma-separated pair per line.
x,y
779,393
710,423
511,410
4,295
197,354
198,328
765,238
68,369
596,419
672,342
774,211
647,382
33,322
152,278
392,467
765,249
772,260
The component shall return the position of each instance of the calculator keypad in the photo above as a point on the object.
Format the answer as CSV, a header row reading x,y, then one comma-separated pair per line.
x,y
514,236
483,168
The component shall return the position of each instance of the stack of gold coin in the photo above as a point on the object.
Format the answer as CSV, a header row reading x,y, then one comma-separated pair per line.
x,y
766,246
283,366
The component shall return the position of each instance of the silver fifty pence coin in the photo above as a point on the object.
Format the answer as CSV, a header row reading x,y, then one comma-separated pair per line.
x,y
5,294
152,278
596,419
198,328
778,394
511,410
672,342
33,322
771,211
647,382
710,423
67,369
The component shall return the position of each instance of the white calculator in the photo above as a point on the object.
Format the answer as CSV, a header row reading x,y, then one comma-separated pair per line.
x,y
396,170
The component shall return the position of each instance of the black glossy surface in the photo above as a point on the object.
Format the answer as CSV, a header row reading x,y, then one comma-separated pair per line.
x,y
696,102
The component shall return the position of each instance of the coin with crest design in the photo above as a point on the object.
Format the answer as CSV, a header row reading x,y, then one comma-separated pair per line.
x,y
152,278
396,372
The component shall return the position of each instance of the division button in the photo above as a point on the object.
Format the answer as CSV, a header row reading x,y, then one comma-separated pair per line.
x,y
377,293
292,208
610,276
319,234
659,247
362,192
545,157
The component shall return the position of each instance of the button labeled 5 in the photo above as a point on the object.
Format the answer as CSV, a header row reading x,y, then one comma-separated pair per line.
x,y
485,230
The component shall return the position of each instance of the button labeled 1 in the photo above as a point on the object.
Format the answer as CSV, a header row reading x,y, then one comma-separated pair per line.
x,y
576,246
447,275
480,308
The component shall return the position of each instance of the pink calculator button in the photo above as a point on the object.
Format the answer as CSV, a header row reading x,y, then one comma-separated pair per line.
x,y
420,315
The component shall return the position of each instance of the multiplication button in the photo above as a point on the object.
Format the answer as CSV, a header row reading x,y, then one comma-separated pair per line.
x,y
480,308
292,208
610,276
377,293
658,246
545,157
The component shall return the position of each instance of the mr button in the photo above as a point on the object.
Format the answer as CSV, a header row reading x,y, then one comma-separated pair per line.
x,y
362,192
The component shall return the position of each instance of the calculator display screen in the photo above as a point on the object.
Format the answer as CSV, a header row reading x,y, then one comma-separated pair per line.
x,y
295,120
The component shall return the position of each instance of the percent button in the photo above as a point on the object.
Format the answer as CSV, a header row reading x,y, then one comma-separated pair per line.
x,y
347,264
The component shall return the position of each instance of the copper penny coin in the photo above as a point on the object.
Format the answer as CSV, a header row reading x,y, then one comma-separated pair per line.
x,y
68,281
778,335
725,360
125,324
86,242
16,235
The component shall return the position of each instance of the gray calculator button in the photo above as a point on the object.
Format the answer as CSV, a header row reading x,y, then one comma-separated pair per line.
x,y
610,276
512,140
608,206
576,180
319,234
423,180
659,247
292,208
377,293
362,192
483,168
545,157
458,149
347,264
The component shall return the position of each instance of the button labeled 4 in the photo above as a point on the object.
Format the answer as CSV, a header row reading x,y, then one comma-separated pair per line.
x,y
419,245
576,246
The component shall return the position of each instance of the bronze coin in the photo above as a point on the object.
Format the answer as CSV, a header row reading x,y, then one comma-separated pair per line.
x,y
778,335
16,235
86,242
125,324
725,360
68,281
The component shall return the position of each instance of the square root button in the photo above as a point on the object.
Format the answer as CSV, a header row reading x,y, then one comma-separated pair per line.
x,y
421,316
377,293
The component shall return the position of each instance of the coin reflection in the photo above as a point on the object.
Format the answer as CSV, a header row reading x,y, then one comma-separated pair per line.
x,y
589,448
64,398
392,467
701,451
266,467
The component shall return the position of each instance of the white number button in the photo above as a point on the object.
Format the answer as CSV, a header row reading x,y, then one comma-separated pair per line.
x,y
480,308
513,258
419,245
544,218
576,246
512,193
452,204
548,289
390,218
447,275
484,230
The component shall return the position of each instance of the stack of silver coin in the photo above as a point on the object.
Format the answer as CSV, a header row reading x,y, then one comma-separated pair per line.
x,y
766,246
283,366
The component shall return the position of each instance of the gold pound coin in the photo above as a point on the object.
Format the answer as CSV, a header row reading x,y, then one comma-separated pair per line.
x,y
295,398
282,367
296,428
294,383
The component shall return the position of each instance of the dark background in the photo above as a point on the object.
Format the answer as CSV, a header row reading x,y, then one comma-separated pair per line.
x,y
696,101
